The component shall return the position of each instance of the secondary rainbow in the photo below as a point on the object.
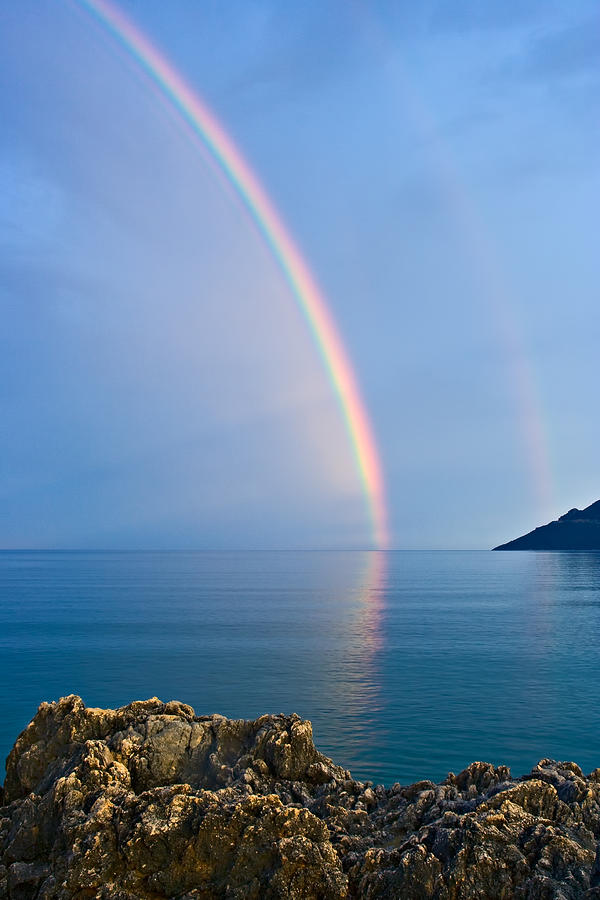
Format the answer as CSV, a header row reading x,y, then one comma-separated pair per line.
x,y
304,287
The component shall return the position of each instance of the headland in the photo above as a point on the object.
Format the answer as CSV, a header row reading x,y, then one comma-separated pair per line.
x,y
577,531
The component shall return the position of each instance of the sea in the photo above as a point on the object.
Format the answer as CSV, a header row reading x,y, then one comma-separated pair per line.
x,y
408,664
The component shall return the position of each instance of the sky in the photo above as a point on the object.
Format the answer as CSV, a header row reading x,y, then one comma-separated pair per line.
x,y
438,166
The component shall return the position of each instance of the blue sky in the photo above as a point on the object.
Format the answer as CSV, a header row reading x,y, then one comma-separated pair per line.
x,y
438,165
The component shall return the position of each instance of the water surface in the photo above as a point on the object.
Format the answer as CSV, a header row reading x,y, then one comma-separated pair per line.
x,y
409,664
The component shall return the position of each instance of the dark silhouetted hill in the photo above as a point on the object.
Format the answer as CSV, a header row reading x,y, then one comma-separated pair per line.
x,y
579,529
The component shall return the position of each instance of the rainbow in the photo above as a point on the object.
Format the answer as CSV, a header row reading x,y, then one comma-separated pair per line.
x,y
485,259
298,276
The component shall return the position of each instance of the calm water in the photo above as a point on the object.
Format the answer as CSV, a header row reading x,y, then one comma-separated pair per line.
x,y
408,664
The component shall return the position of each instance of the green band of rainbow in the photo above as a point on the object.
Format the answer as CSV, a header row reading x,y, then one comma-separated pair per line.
x,y
297,274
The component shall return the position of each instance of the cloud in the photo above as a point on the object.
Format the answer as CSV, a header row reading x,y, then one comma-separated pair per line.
x,y
564,53
304,48
483,15
31,206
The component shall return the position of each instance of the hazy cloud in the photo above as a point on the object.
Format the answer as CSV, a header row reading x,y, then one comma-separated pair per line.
x,y
473,15
566,52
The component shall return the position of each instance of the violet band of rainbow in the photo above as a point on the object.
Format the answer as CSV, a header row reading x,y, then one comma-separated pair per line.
x,y
298,276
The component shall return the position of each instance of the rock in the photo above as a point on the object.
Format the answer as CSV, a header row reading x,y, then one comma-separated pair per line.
x,y
576,530
152,801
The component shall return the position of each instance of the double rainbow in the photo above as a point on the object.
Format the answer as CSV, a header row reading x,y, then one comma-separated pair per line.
x,y
304,287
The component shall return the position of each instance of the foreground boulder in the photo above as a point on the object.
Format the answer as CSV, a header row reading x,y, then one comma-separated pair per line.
x,y
152,801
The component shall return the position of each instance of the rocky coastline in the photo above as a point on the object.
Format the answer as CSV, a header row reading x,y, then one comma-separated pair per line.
x,y
152,801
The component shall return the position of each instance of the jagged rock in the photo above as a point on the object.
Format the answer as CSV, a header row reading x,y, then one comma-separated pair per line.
x,y
152,801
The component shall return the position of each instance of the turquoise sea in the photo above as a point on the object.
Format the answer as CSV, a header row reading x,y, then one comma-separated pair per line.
x,y
409,664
